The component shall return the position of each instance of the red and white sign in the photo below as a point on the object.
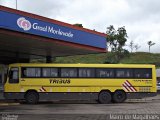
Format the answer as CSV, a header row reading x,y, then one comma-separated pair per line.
x,y
128,87
42,89
24,24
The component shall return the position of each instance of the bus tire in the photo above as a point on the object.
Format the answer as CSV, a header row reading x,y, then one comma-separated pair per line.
x,y
31,97
104,97
119,96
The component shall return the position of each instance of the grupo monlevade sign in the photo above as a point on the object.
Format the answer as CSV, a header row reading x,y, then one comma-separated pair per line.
x,y
37,27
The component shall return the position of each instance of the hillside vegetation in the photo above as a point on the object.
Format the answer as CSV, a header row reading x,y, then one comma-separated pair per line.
x,y
133,58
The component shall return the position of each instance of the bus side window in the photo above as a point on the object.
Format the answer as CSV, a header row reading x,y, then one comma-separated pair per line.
x,y
50,72
14,75
86,72
31,72
104,73
68,72
124,73
144,73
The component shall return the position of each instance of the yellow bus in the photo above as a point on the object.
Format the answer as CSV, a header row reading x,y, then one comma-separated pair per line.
x,y
103,82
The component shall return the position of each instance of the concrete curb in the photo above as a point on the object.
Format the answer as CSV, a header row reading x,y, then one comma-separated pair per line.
x,y
4,102
7,104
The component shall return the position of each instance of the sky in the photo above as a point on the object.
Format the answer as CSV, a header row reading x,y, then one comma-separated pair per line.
x,y
141,18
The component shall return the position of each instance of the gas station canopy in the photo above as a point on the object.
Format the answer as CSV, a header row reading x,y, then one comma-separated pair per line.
x,y
25,35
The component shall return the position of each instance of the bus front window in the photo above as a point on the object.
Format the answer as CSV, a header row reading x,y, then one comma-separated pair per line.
x,y
14,75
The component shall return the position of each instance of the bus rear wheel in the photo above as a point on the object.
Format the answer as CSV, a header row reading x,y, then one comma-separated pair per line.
x,y
119,96
104,97
31,97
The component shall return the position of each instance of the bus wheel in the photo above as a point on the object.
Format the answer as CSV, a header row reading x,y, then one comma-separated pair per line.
x,y
104,97
119,96
31,97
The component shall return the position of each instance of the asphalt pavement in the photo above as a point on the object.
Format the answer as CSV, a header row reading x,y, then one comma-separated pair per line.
x,y
147,109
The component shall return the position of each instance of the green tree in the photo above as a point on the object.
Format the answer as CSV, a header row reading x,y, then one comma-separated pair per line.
x,y
150,43
78,25
116,40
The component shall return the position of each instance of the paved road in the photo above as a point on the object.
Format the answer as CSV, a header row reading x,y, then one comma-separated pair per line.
x,y
83,110
145,109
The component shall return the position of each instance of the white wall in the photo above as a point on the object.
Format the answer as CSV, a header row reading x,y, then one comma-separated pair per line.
x,y
158,72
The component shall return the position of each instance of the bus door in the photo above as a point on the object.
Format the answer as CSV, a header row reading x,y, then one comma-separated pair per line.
x,y
13,79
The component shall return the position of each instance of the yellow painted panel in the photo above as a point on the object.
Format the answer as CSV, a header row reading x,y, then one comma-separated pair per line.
x,y
83,84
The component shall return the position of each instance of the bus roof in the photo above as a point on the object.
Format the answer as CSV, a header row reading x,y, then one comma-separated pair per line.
x,y
82,65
